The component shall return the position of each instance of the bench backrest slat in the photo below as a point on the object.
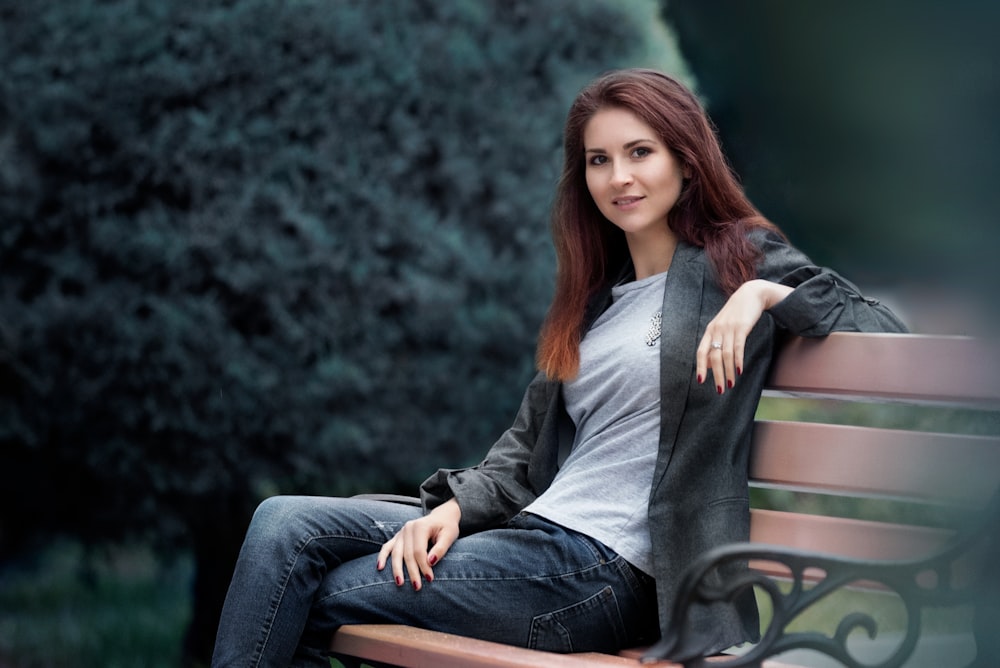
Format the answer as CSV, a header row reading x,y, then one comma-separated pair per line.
x,y
877,462
945,369
861,539
943,472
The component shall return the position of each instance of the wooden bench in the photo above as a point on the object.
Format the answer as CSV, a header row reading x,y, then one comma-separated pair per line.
x,y
905,427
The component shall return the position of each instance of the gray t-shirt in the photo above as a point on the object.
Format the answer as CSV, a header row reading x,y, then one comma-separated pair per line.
x,y
602,490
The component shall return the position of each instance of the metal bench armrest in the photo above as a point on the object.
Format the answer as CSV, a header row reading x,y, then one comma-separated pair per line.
x,y
919,583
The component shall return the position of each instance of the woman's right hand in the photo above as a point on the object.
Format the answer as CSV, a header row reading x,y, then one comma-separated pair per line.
x,y
721,348
408,552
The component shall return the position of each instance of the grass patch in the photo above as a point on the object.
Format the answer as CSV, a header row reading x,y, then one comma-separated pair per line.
x,y
885,608
110,607
885,415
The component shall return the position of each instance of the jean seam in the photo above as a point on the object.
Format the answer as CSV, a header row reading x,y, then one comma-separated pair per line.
x,y
350,590
473,578
604,600
632,578
268,624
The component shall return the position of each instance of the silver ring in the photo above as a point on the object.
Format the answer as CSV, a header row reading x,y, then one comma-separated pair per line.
x,y
717,345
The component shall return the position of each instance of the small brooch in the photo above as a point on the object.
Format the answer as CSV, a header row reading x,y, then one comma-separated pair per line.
x,y
653,333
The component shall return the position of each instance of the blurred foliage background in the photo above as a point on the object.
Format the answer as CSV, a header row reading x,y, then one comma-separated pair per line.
x,y
264,246
260,246
867,130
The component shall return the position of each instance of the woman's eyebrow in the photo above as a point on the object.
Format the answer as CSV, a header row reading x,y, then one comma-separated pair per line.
x,y
635,142
626,146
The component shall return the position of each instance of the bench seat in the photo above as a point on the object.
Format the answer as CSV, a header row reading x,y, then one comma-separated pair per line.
x,y
409,647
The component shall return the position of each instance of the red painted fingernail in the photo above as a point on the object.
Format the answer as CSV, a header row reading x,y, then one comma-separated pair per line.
x,y
416,585
719,388
739,371
700,379
399,581
730,384
433,560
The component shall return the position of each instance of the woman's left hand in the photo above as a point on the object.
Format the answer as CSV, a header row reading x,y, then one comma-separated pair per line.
x,y
721,348
408,551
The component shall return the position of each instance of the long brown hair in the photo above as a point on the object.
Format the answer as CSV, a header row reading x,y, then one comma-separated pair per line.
x,y
712,211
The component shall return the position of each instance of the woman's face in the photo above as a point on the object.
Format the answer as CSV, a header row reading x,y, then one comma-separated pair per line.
x,y
632,176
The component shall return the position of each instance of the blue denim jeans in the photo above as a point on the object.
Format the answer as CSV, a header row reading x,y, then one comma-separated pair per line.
x,y
308,566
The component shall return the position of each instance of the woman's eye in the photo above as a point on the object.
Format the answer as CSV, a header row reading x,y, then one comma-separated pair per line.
x,y
598,160
641,152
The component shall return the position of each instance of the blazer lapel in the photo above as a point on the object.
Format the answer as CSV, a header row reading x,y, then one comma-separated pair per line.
x,y
681,317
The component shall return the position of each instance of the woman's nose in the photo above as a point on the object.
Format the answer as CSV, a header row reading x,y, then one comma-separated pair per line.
x,y
620,175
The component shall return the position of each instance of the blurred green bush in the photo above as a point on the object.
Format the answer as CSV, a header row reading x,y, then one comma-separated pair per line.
x,y
258,246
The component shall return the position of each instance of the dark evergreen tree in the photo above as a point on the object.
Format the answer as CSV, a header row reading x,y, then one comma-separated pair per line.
x,y
265,245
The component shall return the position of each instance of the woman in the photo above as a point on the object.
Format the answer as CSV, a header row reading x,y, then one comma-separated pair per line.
x,y
628,456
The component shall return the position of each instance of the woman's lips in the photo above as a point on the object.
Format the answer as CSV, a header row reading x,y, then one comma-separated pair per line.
x,y
627,203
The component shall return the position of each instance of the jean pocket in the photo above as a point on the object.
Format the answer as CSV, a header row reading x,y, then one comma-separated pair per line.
x,y
592,625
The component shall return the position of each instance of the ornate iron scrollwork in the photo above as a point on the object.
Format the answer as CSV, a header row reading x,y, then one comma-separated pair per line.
x,y
918,583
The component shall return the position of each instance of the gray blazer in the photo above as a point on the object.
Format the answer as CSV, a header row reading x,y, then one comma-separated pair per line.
x,y
699,495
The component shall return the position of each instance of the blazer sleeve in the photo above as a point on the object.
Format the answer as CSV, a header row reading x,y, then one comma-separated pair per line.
x,y
497,488
822,301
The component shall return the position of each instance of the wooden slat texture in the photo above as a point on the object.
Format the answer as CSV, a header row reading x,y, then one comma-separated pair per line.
x,y
411,647
417,648
866,460
948,369
845,537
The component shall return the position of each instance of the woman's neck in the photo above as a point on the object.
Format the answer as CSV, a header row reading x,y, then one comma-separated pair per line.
x,y
651,253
